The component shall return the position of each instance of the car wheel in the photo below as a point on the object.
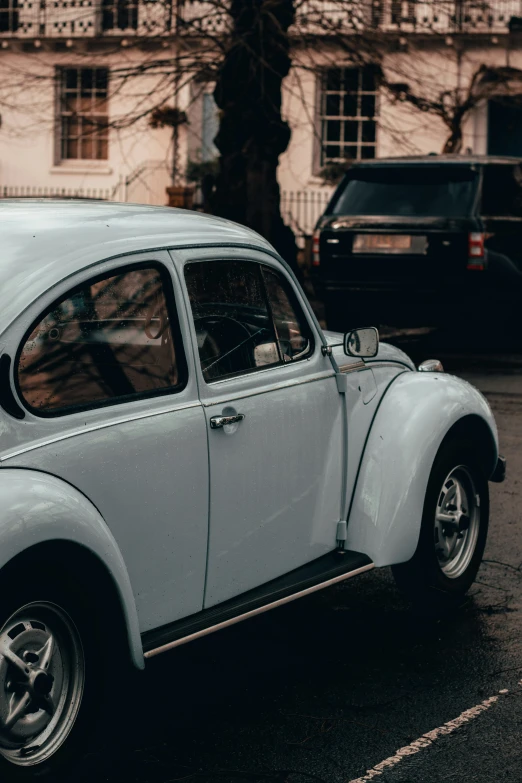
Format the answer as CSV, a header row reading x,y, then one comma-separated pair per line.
x,y
51,679
453,530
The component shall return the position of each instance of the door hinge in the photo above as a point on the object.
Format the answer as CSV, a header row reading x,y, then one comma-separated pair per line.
x,y
326,350
341,534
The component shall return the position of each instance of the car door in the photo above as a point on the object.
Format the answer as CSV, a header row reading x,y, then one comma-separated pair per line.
x,y
275,475
106,377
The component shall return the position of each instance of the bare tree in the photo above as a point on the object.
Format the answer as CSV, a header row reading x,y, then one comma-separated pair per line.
x,y
252,134
246,48
453,104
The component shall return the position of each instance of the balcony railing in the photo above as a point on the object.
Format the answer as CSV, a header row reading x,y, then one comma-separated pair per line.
x,y
89,18
436,16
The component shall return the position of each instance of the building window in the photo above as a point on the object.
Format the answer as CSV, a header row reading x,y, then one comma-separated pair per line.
x,y
402,11
209,127
348,114
119,15
84,114
8,16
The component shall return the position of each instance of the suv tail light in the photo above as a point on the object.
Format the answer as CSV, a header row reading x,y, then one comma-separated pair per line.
x,y
476,260
316,238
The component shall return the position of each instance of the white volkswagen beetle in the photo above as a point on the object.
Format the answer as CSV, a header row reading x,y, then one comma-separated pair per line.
x,y
182,447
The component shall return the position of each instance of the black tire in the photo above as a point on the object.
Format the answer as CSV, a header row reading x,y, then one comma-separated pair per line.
x,y
429,577
61,610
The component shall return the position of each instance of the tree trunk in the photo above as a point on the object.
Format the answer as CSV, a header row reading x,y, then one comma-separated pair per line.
x,y
453,143
252,134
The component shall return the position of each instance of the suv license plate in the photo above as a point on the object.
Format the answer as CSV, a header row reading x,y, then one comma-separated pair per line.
x,y
382,243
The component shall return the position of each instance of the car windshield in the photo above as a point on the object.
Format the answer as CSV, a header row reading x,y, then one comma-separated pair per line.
x,y
420,191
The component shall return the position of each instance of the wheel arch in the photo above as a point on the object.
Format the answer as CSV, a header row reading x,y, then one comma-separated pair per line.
x,y
418,413
475,429
47,521
72,561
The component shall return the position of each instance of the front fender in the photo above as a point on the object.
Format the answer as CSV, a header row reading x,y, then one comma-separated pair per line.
x,y
37,508
415,415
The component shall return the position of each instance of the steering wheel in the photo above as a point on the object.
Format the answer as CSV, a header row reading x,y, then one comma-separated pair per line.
x,y
236,335
163,323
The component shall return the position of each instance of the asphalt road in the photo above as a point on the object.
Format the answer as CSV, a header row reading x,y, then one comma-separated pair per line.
x,y
351,679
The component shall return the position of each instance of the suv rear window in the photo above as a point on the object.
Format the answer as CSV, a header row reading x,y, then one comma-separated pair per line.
x,y
409,191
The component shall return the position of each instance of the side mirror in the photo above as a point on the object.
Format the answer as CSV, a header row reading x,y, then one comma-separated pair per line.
x,y
363,343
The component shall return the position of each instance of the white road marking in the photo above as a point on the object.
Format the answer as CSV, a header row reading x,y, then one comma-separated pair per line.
x,y
429,738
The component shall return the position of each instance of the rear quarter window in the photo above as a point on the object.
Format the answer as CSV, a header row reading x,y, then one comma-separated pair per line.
x,y
502,191
111,339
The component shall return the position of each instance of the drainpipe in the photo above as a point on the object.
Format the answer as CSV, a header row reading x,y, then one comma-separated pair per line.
x,y
177,82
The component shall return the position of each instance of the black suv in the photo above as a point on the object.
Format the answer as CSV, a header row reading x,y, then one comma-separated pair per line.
x,y
421,241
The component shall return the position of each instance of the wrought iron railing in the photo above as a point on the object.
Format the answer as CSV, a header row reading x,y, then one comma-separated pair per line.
x,y
89,18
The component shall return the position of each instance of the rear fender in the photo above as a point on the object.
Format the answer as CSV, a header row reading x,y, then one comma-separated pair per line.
x,y
416,414
37,508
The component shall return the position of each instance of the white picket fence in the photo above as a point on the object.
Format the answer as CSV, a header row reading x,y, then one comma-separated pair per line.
x,y
301,209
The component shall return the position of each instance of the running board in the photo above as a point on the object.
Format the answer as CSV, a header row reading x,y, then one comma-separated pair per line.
x,y
323,572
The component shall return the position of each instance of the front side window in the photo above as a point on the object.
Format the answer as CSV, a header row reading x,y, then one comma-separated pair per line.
x,y
111,339
348,110
292,330
84,121
245,318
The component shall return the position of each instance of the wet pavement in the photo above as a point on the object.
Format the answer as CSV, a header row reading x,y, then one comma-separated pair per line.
x,y
333,685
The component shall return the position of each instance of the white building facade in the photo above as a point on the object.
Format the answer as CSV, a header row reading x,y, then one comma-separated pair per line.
x,y
78,80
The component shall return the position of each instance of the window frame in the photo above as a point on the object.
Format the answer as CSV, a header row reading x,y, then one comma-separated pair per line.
x,y
11,15
110,12
100,133
175,328
264,368
320,148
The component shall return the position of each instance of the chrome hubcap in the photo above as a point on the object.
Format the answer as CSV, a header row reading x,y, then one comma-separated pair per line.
x,y
457,522
42,674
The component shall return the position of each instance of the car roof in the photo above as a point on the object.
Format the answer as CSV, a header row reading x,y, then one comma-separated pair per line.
x,y
454,160
44,241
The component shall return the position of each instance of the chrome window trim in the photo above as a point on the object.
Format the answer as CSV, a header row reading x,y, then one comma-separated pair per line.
x,y
302,354
256,370
243,394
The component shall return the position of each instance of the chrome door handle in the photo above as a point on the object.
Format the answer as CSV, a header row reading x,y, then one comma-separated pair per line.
x,y
220,421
